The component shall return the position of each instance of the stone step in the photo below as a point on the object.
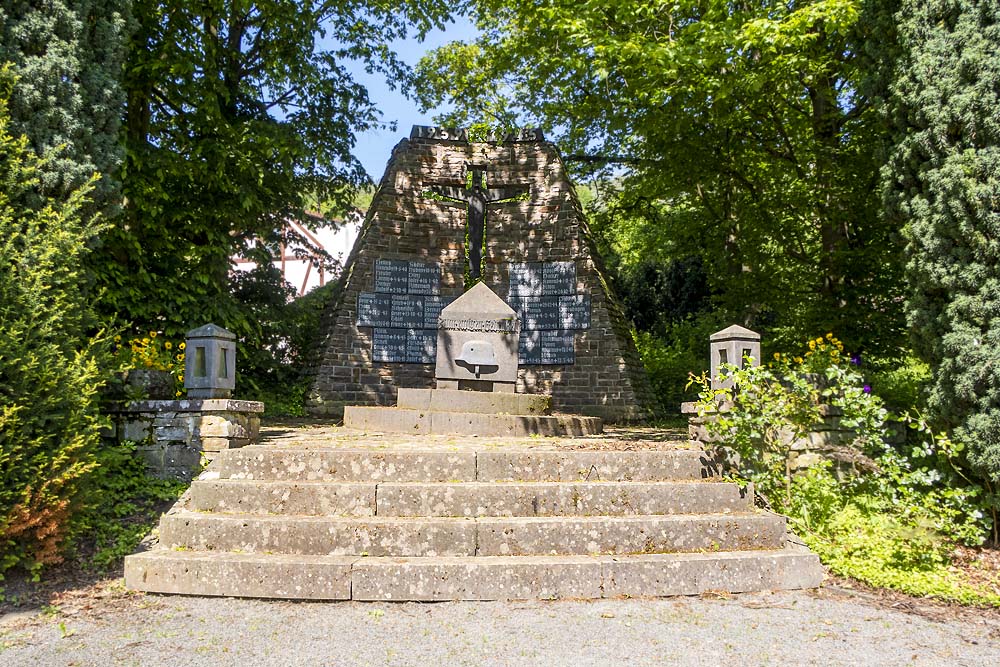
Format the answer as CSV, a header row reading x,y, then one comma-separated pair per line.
x,y
484,465
464,578
466,499
484,536
427,422
485,402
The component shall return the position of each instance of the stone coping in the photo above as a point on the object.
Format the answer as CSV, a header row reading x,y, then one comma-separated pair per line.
x,y
193,405
691,408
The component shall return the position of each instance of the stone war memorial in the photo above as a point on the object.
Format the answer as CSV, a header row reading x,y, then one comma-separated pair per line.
x,y
473,462
450,212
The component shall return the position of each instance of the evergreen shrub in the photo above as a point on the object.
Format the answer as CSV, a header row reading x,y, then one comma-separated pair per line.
x,y
50,358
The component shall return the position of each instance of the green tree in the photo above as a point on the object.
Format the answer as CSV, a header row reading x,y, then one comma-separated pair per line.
x,y
943,183
237,111
68,55
49,372
746,133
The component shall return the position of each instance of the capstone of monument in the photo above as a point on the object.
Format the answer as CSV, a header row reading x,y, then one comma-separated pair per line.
x,y
451,213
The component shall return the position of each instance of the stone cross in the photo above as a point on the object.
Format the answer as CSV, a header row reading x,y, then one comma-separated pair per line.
x,y
477,196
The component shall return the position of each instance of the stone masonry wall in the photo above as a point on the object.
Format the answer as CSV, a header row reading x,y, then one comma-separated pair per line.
x,y
607,379
176,438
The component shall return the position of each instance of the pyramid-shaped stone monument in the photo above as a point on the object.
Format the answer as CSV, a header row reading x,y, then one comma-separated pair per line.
x,y
448,213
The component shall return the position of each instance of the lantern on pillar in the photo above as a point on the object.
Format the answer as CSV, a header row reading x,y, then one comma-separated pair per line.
x,y
732,345
210,362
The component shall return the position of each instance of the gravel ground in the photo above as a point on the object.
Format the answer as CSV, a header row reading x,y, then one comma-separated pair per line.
x,y
826,627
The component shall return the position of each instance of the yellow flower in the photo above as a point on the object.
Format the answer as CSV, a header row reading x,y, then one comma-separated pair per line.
x,y
798,360
118,339
182,346
829,336
145,341
180,357
167,345
180,378
840,346
812,345
177,394
777,356
152,334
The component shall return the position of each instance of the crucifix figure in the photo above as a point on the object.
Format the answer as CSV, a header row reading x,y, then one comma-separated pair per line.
x,y
477,196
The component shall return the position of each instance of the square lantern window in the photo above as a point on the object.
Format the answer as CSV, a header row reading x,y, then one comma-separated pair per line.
x,y
733,345
210,362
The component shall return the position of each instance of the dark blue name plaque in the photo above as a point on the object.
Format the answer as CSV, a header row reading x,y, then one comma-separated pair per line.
x,y
558,347
392,276
574,312
424,278
421,346
525,279
558,278
407,311
542,313
374,310
529,347
389,345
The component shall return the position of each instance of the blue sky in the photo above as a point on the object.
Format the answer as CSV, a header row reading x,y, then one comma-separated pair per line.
x,y
373,148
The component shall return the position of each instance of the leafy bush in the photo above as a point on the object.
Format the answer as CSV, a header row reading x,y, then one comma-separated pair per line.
x,y
49,362
668,357
131,504
275,350
892,526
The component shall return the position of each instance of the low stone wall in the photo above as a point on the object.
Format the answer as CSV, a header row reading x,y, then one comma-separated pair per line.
x,y
827,440
177,438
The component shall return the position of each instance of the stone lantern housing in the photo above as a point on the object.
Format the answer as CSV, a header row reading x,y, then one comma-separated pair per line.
x,y
210,362
733,345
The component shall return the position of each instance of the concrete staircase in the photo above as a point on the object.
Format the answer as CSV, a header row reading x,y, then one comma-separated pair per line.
x,y
467,523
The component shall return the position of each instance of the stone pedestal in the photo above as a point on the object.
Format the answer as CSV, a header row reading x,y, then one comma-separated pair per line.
x,y
177,438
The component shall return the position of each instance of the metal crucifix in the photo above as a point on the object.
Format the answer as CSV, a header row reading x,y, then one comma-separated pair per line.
x,y
477,196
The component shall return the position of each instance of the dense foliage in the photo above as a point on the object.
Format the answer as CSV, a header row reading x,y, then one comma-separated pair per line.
x,y
891,515
943,182
237,112
746,135
49,370
67,56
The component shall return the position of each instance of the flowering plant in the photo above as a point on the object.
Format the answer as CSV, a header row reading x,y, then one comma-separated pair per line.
x,y
152,352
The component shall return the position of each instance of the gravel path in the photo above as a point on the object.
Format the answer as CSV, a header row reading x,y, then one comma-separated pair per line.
x,y
828,627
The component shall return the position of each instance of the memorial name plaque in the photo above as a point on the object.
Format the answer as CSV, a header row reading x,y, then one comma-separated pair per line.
x,y
558,278
542,314
529,347
392,276
403,311
421,346
389,345
525,279
407,311
433,305
574,312
558,347
374,310
424,278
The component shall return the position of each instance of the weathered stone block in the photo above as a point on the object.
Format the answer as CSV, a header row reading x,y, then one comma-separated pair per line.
x,y
242,575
